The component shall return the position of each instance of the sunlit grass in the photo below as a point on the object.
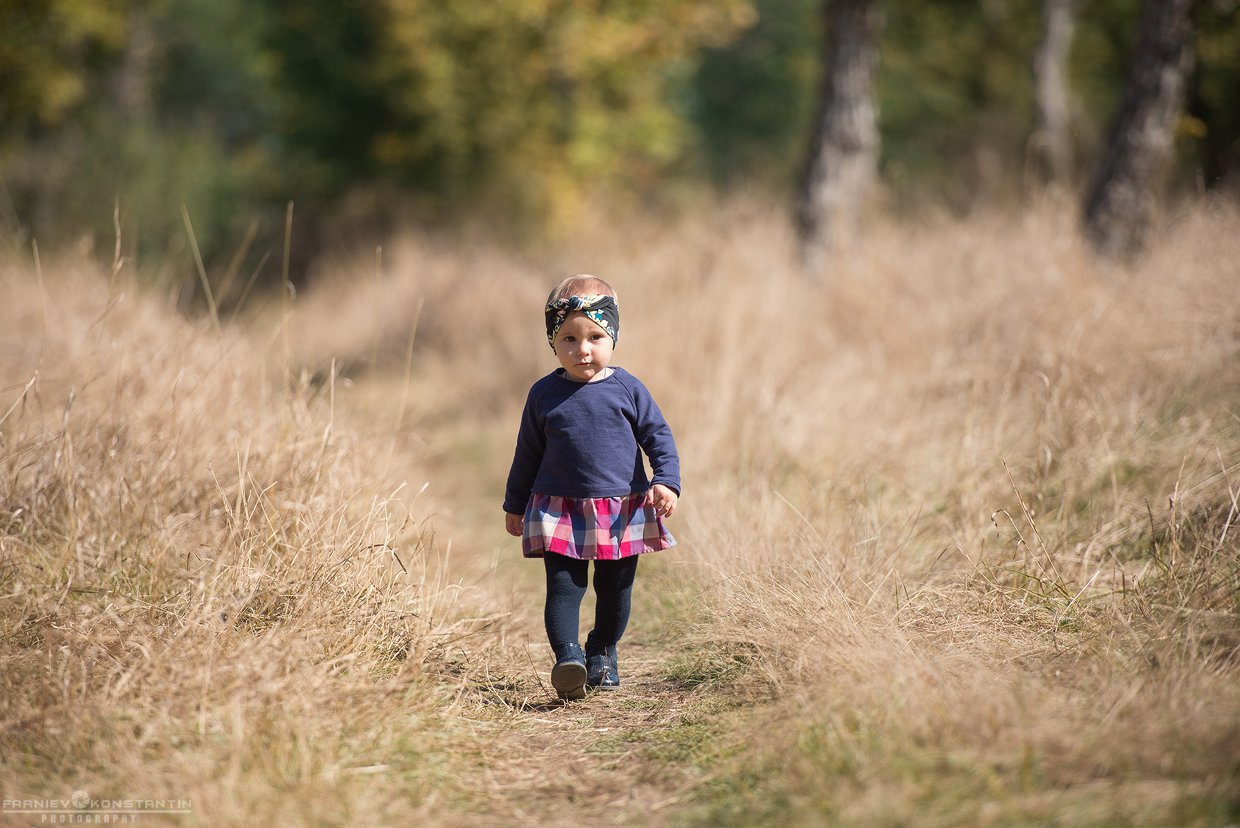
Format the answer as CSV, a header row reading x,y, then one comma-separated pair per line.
x,y
210,593
958,540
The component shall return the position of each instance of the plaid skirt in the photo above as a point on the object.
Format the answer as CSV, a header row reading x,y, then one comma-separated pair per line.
x,y
592,528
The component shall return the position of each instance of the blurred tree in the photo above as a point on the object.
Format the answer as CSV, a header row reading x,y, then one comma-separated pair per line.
x,y
841,167
752,100
1119,203
1052,141
49,53
955,99
92,121
331,92
532,99
1214,94
356,109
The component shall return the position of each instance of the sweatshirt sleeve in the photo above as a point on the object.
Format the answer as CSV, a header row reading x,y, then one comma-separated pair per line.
x,y
654,435
526,459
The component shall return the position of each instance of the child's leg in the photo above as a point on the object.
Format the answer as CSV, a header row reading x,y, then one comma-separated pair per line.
x,y
613,587
566,586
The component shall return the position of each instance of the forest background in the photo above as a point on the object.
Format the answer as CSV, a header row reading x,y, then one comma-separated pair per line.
x,y
517,113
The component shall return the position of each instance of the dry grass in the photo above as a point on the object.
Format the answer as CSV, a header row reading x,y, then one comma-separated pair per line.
x,y
209,593
959,539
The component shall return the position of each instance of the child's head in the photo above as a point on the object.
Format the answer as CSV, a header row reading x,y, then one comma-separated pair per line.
x,y
583,325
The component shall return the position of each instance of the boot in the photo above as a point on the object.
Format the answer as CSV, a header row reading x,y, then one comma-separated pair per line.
x,y
602,669
568,676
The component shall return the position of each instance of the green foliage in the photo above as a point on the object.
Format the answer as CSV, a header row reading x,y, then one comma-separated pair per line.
x,y
1213,120
955,94
360,109
752,100
327,89
146,130
1106,33
954,87
47,53
955,91
526,103
531,99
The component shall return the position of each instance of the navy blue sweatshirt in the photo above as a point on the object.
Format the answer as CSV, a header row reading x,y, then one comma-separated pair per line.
x,y
585,439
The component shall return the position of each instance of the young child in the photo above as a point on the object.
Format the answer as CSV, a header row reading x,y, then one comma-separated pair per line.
x,y
578,491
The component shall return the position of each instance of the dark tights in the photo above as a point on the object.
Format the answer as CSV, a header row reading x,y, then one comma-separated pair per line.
x,y
566,586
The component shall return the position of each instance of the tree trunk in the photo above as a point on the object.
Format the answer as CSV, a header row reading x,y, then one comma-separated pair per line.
x,y
133,84
843,160
1052,139
1119,206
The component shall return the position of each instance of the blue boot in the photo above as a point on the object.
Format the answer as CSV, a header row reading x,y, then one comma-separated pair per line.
x,y
602,668
568,676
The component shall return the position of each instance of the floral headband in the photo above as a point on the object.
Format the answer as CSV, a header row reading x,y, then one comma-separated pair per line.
x,y
605,310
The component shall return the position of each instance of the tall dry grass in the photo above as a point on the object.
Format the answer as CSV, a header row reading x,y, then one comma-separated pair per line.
x,y
979,530
210,592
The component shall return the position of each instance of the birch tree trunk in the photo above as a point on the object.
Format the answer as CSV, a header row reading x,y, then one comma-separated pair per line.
x,y
1052,138
842,165
1119,205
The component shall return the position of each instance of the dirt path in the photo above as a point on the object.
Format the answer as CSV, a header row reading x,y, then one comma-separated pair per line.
x,y
629,756
604,759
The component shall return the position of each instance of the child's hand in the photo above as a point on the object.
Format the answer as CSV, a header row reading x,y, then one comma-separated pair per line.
x,y
514,524
662,499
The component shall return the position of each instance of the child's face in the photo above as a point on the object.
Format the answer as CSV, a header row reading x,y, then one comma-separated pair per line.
x,y
583,347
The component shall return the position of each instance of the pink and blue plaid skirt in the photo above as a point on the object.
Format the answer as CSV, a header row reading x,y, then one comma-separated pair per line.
x,y
592,528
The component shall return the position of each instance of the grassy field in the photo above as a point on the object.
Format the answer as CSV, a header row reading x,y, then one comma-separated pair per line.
x,y
959,541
